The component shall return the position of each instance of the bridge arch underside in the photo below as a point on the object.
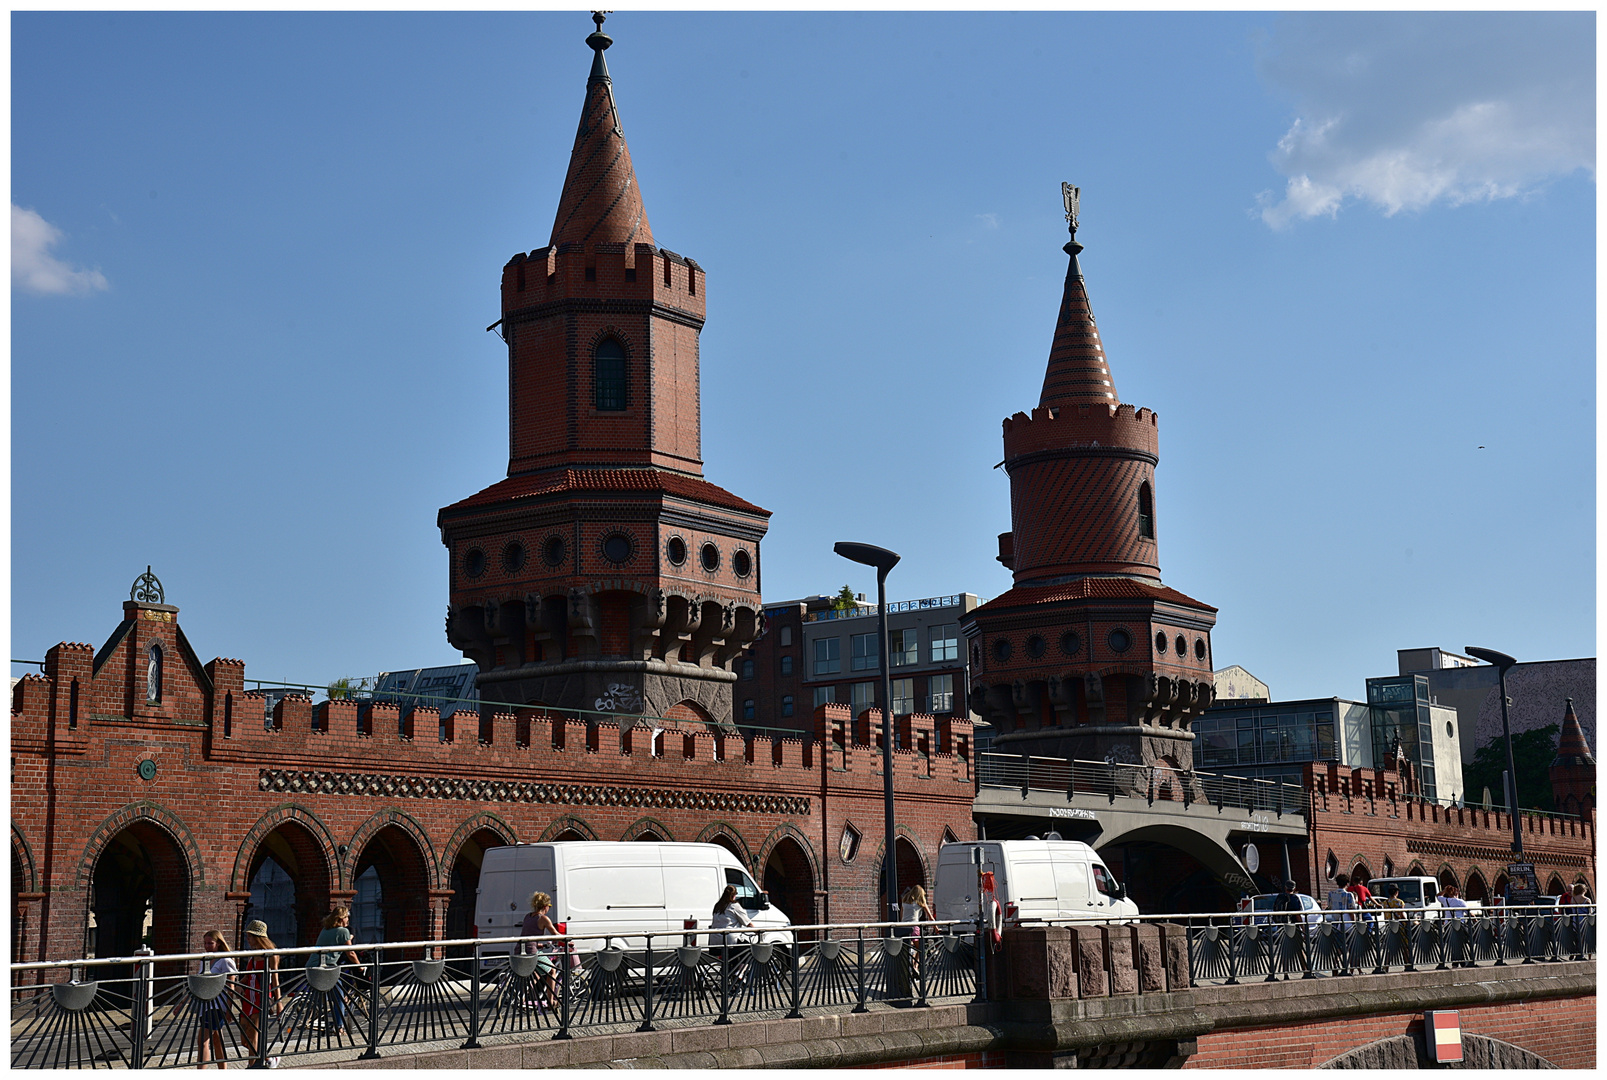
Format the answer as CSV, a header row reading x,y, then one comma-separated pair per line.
x,y
1411,1052
1168,867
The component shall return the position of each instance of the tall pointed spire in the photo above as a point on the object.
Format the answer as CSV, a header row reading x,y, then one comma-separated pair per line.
x,y
601,203
1571,746
1078,373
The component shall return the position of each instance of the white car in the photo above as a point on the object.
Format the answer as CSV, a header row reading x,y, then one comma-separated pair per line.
x,y
1263,902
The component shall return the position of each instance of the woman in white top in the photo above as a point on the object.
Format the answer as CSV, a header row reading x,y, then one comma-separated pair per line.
x,y
916,910
214,1015
729,913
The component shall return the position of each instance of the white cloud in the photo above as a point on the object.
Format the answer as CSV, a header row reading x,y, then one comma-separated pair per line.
x,y
989,221
1404,111
34,269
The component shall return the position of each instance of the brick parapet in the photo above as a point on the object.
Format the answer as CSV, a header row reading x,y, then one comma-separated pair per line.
x,y
1091,426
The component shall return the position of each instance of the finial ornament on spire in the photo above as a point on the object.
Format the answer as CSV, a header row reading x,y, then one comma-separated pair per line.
x,y
597,39
1068,195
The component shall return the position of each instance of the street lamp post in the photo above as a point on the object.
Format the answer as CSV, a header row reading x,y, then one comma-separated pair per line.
x,y
883,560
1502,661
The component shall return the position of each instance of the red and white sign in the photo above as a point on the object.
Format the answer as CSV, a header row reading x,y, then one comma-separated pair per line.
x,y
1442,1030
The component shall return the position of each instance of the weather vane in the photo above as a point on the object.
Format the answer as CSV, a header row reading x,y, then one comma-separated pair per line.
x,y
147,589
1068,195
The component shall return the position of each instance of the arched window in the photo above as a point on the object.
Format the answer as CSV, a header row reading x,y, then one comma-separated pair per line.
x,y
153,676
1146,512
608,375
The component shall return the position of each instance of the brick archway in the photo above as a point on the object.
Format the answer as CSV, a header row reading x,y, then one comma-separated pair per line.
x,y
568,827
386,818
137,862
730,839
1476,888
297,842
464,855
404,873
647,829
24,877
788,874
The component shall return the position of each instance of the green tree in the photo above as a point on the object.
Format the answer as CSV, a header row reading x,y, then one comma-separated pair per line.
x,y
1532,752
846,600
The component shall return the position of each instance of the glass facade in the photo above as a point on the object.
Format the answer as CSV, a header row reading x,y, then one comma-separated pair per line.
x,y
1400,708
1267,740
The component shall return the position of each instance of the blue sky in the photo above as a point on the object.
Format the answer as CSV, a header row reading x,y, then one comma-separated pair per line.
x,y
254,256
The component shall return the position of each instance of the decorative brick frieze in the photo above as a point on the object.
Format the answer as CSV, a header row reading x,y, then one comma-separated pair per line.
x,y
401,786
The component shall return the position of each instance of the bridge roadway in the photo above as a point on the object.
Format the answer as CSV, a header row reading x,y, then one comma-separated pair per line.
x,y
1210,833
1517,1016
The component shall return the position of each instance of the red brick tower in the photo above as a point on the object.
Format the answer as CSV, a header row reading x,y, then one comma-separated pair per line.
x,y
604,573
1573,770
1088,655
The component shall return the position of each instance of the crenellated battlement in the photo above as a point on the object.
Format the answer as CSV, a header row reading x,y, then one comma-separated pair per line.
x,y
511,745
1091,426
603,271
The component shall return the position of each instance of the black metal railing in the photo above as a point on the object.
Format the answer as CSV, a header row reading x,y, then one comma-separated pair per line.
x,y
1152,783
1265,946
162,1012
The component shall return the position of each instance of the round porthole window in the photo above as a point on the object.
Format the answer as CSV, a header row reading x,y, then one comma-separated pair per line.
x,y
1001,649
710,557
474,562
676,550
1199,649
1070,643
1036,646
742,563
1120,641
1182,646
617,548
1450,732
1160,642
513,557
552,552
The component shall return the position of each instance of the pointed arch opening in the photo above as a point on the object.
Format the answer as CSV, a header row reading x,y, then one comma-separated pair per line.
x,y
290,879
1476,888
1146,512
392,883
790,880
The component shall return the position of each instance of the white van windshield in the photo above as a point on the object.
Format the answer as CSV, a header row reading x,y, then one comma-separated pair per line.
x,y
747,892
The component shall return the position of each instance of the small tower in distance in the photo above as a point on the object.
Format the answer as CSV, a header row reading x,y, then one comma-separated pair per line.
x,y
1573,770
604,574
1088,655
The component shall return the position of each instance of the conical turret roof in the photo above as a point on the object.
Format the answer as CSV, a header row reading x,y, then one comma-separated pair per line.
x,y
1571,746
601,203
1078,373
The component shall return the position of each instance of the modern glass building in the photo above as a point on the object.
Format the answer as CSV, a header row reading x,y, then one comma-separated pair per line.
x,y
1274,739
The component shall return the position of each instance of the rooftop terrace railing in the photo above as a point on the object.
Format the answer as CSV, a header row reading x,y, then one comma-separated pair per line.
x,y
863,611
1115,780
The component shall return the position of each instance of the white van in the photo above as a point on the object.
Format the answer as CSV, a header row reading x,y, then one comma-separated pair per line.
x,y
1035,881
1416,892
622,888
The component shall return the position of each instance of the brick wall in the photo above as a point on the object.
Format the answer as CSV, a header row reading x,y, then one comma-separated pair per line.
x,y
1561,1030
325,784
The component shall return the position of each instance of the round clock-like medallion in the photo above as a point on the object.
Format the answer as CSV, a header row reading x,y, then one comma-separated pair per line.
x,y
147,769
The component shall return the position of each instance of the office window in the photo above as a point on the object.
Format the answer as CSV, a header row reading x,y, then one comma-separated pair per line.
x,y
786,635
747,669
864,697
941,695
786,665
905,646
824,695
828,656
903,697
866,654
945,642
608,375
747,709
786,705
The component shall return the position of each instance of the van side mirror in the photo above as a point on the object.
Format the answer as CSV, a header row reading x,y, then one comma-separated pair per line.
x,y
764,901
1121,891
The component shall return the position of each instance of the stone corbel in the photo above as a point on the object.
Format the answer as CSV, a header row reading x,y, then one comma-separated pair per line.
x,y
465,631
711,635
684,617
647,620
582,622
1094,695
741,633
1063,696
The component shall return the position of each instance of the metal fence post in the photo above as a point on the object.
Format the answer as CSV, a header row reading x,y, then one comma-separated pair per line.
x,y
793,951
861,1006
473,1041
373,1009
647,988
1233,953
139,1019
564,984
725,980
920,959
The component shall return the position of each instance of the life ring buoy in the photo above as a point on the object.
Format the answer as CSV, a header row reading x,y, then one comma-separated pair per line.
x,y
995,925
